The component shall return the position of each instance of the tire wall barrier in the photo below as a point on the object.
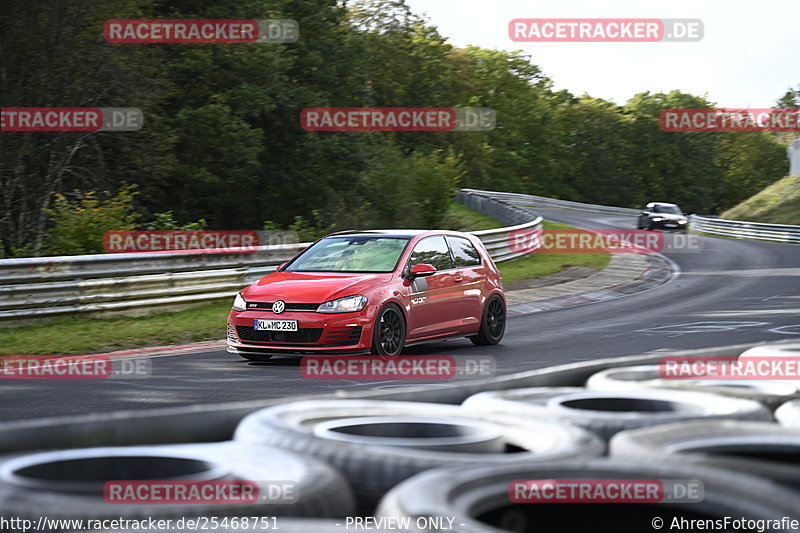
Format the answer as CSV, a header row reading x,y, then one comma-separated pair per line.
x,y
413,453
217,422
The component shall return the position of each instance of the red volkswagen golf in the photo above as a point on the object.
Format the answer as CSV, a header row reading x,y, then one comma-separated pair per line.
x,y
371,291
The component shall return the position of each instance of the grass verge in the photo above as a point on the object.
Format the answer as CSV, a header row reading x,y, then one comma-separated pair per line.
x,y
85,335
777,204
206,322
459,217
539,265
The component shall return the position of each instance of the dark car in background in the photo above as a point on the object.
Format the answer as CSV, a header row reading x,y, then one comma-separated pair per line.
x,y
661,215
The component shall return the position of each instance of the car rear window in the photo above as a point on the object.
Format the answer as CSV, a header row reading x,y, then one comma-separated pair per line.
x,y
464,252
433,251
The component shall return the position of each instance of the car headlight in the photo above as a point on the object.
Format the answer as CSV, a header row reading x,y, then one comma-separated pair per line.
x,y
682,221
658,219
348,304
239,304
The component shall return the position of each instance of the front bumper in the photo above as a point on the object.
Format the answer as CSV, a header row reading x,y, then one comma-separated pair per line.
x,y
668,225
317,333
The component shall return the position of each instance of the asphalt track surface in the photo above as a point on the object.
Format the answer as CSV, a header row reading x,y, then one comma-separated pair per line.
x,y
731,292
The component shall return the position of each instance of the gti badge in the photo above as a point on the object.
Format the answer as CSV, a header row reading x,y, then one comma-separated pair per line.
x,y
279,307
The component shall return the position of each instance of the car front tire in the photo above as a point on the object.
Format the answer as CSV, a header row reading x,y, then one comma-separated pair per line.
x,y
389,332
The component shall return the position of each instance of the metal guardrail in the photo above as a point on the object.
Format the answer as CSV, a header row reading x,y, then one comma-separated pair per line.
x,y
706,224
528,200
137,284
496,240
131,284
746,230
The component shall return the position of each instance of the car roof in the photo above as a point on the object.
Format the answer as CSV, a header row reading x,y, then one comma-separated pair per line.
x,y
407,233
664,203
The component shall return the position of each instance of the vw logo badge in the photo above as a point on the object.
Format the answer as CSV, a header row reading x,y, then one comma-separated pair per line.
x,y
279,307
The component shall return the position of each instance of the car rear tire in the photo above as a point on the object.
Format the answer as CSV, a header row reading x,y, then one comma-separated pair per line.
x,y
389,332
493,323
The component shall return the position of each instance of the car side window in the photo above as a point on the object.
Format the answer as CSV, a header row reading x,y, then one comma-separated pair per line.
x,y
433,251
464,252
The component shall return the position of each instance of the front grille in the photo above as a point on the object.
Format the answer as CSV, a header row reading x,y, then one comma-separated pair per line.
x,y
301,336
299,308
341,336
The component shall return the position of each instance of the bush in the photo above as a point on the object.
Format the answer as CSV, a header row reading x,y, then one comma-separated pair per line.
x,y
79,223
166,221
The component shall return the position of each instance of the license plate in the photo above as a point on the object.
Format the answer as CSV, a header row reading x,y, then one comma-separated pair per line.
x,y
275,325
670,225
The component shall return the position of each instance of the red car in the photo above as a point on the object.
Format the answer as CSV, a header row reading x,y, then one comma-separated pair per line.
x,y
371,291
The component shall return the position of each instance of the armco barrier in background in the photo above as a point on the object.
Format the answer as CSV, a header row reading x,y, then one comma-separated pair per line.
x,y
90,285
746,230
711,225
139,283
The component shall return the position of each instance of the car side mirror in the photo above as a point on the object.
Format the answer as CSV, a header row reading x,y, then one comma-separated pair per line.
x,y
421,270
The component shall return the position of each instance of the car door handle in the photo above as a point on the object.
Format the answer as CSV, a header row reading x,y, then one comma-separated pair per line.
x,y
458,279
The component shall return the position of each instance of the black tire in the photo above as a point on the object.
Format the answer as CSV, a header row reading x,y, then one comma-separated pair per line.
x,y
493,322
477,498
607,413
256,357
373,466
755,448
788,414
648,377
68,484
389,331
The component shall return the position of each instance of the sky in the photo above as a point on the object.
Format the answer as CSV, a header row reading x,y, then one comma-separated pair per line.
x,y
749,56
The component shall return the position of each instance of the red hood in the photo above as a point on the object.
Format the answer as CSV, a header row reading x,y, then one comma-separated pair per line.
x,y
308,287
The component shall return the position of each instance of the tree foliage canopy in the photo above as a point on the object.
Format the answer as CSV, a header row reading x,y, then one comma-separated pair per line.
x,y
222,140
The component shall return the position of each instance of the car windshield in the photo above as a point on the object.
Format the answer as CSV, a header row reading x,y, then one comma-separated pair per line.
x,y
351,254
669,209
